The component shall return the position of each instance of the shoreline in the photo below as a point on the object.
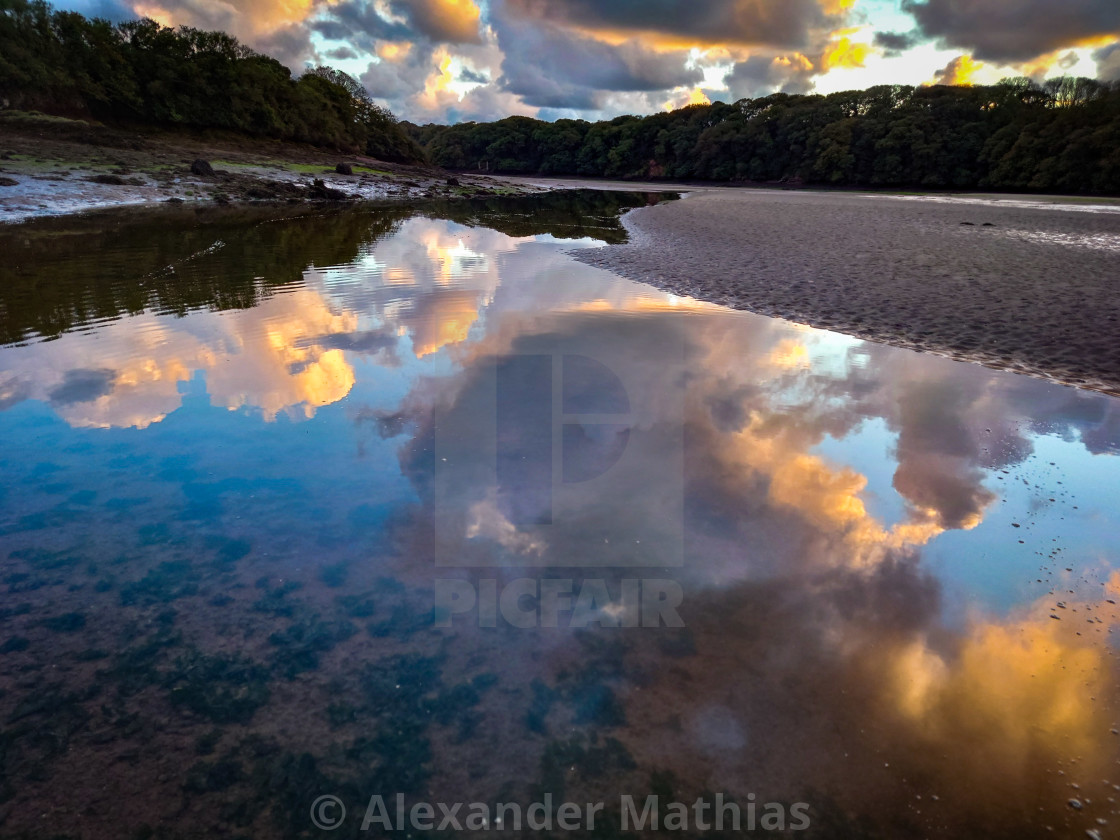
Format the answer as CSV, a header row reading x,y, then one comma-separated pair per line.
x,y
969,276
1026,287
53,166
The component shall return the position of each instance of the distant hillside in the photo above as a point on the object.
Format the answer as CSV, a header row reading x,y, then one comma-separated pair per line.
x,y
1063,136
63,63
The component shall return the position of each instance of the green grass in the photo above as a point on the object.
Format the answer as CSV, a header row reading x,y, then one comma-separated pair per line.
x,y
38,117
304,168
301,168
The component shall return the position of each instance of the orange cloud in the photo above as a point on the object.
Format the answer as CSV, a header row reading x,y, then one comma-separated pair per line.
x,y
394,51
959,71
437,87
455,21
1015,687
693,97
442,319
796,62
246,19
700,24
282,368
844,52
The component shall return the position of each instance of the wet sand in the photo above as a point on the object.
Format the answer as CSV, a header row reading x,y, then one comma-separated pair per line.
x,y
1020,284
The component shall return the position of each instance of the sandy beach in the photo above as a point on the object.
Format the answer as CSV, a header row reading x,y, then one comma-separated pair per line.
x,y
1021,284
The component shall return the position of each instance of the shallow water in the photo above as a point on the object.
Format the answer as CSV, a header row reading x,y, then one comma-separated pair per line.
x,y
385,501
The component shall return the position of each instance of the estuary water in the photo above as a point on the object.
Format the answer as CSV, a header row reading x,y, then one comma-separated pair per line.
x,y
407,503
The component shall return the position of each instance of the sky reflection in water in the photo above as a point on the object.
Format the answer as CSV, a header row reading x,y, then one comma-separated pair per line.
x,y
234,476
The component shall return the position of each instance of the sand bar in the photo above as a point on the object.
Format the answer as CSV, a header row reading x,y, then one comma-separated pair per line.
x,y
1031,286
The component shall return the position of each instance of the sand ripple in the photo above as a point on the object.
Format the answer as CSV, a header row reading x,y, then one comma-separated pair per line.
x,y
1016,286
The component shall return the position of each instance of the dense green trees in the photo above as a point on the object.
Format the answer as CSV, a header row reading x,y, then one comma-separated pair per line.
x,y
1062,135
62,63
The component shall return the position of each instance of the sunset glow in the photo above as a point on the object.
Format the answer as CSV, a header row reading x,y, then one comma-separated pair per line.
x,y
456,60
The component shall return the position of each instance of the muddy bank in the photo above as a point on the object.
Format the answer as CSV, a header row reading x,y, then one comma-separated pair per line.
x,y
51,166
1020,285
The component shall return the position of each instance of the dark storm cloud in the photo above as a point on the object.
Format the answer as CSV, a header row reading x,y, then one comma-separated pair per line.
x,y
441,20
468,75
777,23
1068,60
895,43
554,68
83,385
1108,62
939,458
341,54
290,45
760,75
395,80
434,20
995,30
357,21
367,343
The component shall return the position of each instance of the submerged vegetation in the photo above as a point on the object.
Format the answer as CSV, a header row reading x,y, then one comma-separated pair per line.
x,y
1016,135
139,71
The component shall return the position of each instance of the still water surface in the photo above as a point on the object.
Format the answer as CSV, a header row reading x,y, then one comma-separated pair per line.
x,y
241,455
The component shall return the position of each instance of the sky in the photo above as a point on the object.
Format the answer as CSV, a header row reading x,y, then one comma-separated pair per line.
x,y
449,61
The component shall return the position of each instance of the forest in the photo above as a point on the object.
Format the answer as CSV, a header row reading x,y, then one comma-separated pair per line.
x,y
141,72
1062,135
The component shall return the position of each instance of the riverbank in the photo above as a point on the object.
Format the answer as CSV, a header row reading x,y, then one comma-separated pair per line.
x,y
52,166
1031,286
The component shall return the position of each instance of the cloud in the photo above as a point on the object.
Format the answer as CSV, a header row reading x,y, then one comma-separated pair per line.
x,y
548,66
82,385
843,52
895,43
14,391
1068,60
761,74
684,97
775,23
247,19
998,31
472,77
764,72
487,103
451,60
959,71
939,459
394,81
445,21
290,45
294,366
341,54
746,449
1108,61
359,23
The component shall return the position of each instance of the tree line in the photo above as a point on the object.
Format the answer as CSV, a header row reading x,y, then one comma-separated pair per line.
x,y
63,63
1062,135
